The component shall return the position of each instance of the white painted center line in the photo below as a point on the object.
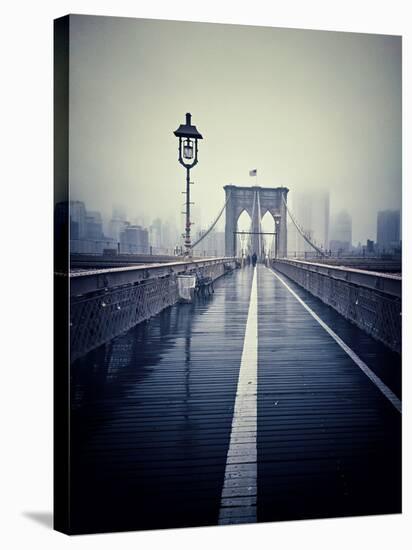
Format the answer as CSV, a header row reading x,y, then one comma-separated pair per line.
x,y
396,402
238,501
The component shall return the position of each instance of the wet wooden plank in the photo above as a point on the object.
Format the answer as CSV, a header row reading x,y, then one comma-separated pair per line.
x,y
331,444
152,415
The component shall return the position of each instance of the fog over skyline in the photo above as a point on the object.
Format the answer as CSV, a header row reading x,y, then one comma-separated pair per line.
x,y
307,109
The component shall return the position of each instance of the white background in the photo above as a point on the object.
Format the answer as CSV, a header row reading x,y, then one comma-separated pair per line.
x,y
26,285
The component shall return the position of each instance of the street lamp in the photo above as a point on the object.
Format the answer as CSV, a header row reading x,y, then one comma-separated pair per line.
x,y
188,137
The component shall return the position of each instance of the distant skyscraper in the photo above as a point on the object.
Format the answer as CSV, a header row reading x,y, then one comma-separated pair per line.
x,y
86,231
320,217
78,214
171,236
156,236
212,245
117,223
134,240
292,237
388,229
94,226
141,219
341,232
115,228
311,210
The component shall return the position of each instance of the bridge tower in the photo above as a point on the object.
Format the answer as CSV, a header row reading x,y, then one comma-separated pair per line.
x,y
239,199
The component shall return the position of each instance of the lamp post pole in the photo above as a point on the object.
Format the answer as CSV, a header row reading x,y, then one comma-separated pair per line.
x,y
188,138
188,242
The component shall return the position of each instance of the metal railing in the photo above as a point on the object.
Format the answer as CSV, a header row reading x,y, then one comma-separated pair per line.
x,y
107,302
371,300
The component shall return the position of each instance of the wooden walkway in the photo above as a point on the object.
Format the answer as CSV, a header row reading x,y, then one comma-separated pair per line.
x,y
168,429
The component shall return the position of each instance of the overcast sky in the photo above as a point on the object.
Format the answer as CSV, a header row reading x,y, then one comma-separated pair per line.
x,y
308,109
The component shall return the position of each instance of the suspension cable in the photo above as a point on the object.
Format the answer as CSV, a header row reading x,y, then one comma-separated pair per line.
x,y
301,230
213,224
295,223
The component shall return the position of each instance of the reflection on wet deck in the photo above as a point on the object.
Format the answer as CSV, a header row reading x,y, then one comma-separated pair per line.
x,y
152,414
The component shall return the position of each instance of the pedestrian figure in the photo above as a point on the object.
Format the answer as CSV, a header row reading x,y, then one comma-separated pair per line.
x,y
254,259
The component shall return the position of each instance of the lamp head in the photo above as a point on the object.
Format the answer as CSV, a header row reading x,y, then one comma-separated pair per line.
x,y
188,130
188,137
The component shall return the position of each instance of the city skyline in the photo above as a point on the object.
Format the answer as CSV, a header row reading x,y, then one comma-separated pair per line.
x,y
308,109
204,220
332,232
